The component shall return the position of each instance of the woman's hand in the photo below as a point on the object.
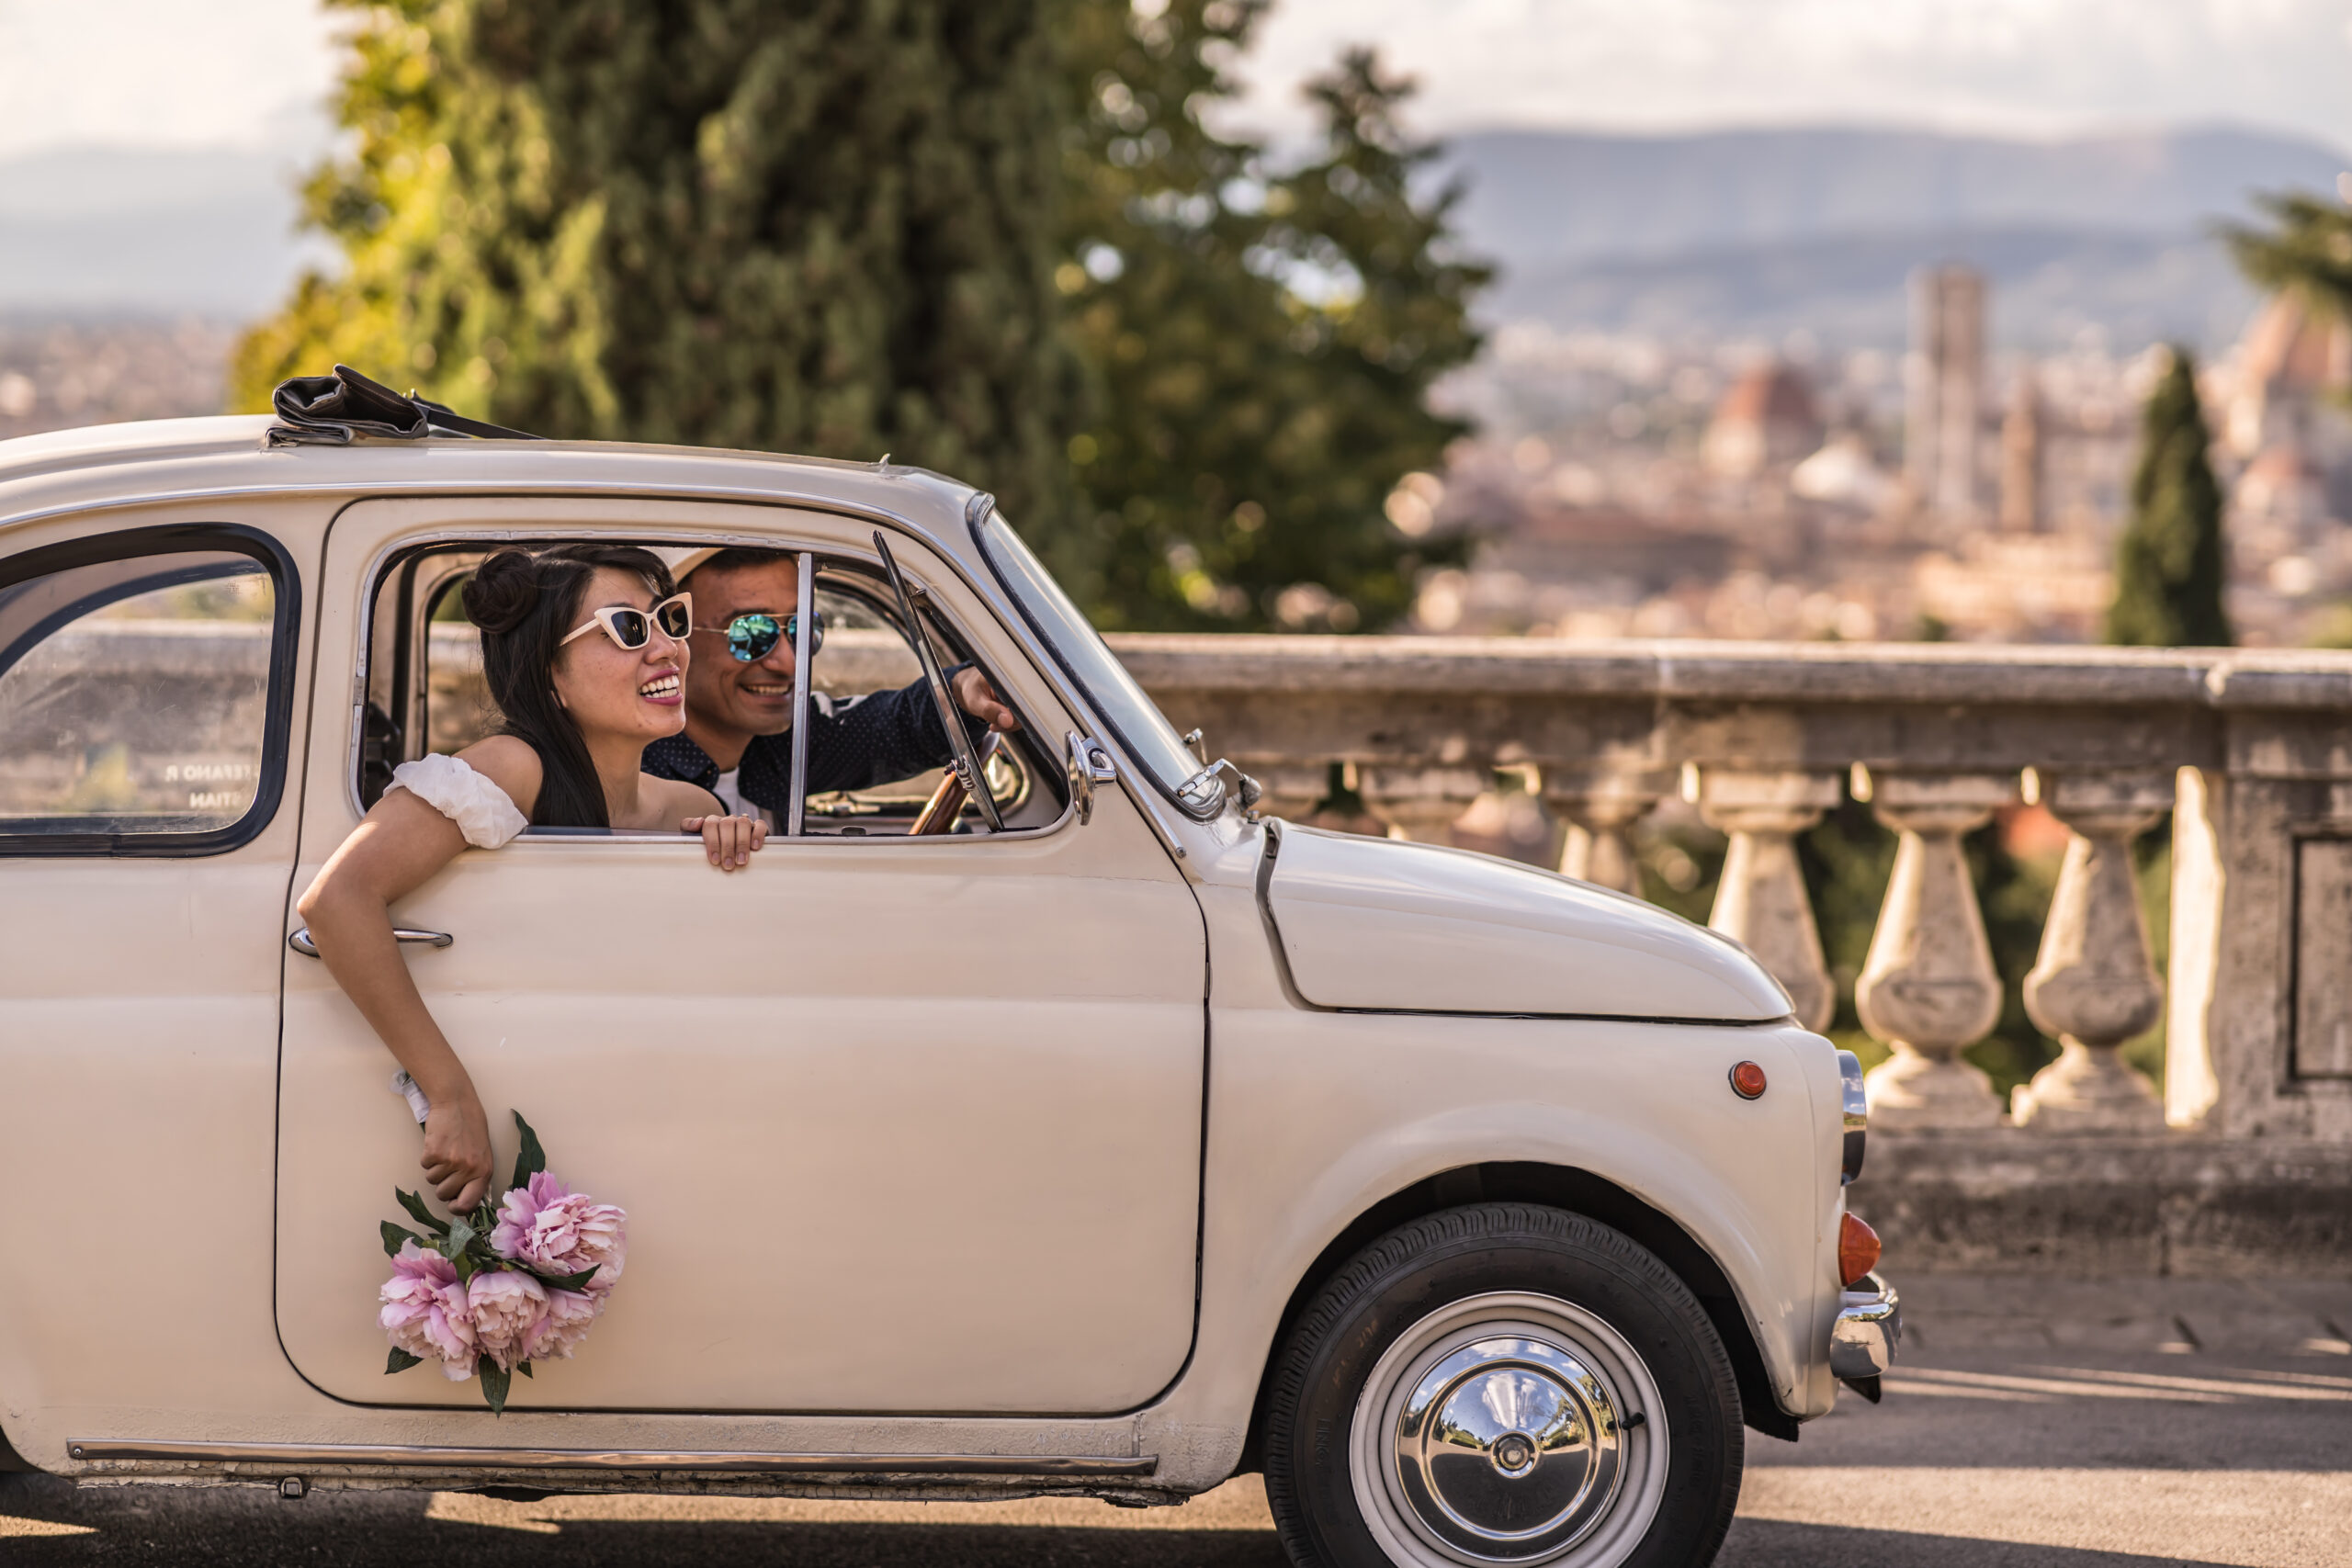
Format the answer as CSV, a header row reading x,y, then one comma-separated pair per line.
x,y
730,841
457,1151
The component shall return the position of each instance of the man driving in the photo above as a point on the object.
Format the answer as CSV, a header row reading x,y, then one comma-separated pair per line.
x,y
738,741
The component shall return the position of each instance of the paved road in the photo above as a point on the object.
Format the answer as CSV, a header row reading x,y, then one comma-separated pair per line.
x,y
2000,1446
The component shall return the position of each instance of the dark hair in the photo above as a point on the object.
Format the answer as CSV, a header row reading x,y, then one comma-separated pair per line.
x,y
742,557
525,601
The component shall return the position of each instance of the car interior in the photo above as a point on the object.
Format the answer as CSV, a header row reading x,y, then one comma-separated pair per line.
x,y
425,693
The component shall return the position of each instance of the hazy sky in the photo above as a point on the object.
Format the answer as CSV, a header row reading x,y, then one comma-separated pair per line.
x,y
237,72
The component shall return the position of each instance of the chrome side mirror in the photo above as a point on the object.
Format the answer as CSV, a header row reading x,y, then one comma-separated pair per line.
x,y
1203,795
1089,764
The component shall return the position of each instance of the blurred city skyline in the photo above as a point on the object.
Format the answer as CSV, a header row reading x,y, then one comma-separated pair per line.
x,y
256,73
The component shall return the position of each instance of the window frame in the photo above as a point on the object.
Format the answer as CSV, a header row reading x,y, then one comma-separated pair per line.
x,y
394,555
278,720
979,514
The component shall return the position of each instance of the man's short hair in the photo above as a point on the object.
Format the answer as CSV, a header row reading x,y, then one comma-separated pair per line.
x,y
742,557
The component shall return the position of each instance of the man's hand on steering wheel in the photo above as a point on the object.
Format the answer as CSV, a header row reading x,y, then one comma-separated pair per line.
x,y
976,698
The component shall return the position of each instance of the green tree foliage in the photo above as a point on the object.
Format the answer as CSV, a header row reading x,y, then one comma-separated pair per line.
x,y
823,226
999,241
1262,338
2169,567
2309,249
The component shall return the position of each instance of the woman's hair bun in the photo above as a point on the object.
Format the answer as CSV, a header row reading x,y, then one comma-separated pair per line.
x,y
503,590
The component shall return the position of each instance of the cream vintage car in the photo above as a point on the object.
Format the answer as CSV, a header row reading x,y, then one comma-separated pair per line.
x,y
1113,1141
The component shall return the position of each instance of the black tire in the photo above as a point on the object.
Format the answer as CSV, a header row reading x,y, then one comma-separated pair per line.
x,y
1441,1273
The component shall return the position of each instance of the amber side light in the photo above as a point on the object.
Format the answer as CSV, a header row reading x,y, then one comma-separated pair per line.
x,y
1748,1080
1858,1249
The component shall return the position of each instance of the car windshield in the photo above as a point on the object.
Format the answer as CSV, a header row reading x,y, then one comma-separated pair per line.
x,y
1139,726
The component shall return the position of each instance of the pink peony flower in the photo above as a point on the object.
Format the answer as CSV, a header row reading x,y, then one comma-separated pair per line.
x,y
426,1312
508,1308
569,1312
554,1229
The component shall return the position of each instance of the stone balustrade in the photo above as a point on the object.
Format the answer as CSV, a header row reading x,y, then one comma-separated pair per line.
x,y
2243,1162
2241,1166
2251,752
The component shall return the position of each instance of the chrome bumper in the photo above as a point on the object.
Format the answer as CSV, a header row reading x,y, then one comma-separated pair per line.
x,y
1869,1327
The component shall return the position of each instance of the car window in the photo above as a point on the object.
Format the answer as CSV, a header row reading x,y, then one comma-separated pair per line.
x,y
426,692
135,699
1087,659
458,708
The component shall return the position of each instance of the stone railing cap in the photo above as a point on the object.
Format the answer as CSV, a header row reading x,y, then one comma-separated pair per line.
x,y
1735,672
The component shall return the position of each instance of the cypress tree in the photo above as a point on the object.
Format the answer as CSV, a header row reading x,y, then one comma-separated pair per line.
x,y
2169,565
823,226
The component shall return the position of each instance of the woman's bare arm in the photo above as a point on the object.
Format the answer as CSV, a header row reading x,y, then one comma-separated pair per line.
x,y
399,846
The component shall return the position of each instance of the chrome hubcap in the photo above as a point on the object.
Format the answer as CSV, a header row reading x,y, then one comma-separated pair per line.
x,y
1493,1433
1509,1447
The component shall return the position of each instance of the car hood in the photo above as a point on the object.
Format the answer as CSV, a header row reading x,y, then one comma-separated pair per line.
x,y
1386,925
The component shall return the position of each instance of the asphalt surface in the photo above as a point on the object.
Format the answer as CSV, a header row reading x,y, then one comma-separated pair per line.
x,y
2111,1428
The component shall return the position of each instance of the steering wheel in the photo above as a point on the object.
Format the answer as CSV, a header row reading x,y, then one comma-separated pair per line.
x,y
946,803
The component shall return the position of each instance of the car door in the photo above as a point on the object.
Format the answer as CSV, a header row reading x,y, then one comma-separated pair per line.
x,y
148,715
901,1125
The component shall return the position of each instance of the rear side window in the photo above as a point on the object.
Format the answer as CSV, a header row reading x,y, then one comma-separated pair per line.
x,y
143,692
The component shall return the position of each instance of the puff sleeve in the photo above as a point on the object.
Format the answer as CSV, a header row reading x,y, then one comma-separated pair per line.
x,y
480,808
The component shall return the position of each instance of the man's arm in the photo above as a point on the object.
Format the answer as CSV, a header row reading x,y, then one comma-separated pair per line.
x,y
879,738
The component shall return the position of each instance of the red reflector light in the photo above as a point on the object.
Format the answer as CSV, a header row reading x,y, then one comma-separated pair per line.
x,y
1858,1250
1748,1080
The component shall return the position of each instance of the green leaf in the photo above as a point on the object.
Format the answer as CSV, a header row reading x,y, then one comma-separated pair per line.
x,y
415,1203
393,1236
561,1281
455,1248
523,1368
494,1384
401,1360
530,1159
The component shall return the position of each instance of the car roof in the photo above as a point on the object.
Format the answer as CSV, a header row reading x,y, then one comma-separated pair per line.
x,y
227,456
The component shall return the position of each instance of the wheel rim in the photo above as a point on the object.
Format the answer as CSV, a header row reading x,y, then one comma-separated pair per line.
x,y
1493,1432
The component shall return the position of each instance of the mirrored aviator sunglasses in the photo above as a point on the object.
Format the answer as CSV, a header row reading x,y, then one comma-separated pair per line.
x,y
632,629
755,634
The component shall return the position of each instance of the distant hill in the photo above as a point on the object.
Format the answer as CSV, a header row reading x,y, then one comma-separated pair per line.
x,y
1725,233
1538,196
1848,291
1759,231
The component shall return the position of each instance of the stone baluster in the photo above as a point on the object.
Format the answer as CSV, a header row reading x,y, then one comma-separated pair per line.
x,y
1761,900
2093,986
1601,807
1929,987
1421,803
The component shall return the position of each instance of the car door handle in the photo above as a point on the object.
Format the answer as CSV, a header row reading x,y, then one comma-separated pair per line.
x,y
300,941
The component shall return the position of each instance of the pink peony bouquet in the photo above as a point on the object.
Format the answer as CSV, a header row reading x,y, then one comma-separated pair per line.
x,y
492,1291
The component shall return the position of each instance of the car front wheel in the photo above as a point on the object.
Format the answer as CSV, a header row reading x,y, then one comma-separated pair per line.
x,y
1503,1385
